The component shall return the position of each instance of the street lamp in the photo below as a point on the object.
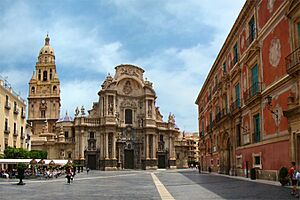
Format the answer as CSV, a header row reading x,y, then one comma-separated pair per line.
x,y
269,101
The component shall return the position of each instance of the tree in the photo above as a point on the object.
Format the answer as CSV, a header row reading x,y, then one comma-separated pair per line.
x,y
21,170
11,152
38,154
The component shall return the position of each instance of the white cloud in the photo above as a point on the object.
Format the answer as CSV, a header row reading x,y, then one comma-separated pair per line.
x,y
81,45
77,93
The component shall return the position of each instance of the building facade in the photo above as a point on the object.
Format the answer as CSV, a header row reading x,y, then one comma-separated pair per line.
x,y
249,104
124,129
187,153
13,130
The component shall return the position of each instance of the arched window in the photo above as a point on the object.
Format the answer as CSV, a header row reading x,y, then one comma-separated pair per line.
x,y
32,90
54,89
128,116
45,76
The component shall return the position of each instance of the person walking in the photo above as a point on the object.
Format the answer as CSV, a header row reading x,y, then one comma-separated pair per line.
x,y
87,170
69,174
292,173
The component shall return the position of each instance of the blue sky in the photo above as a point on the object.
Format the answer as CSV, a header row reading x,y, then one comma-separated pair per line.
x,y
174,41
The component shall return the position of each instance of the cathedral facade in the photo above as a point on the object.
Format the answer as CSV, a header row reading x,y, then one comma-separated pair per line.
x,y
124,128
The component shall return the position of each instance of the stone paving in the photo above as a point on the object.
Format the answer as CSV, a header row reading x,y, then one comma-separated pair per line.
x,y
180,184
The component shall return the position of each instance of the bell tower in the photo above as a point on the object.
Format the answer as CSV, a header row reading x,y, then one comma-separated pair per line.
x,y
44,91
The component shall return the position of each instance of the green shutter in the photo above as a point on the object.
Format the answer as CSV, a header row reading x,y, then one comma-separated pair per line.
x,y
254,79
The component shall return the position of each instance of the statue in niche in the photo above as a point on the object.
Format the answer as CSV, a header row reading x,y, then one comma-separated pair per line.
x,y
110,109
149,109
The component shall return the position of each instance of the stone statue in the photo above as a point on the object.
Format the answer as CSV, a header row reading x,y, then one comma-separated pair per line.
x,y
82,111
76,111
171,118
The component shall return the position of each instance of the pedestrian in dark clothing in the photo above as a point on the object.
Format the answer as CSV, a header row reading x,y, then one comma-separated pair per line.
x,y
199,169
69,174
87,170
209,169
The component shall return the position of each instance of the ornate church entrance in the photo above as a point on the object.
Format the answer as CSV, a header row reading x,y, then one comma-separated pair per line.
x,y
162,161
91,161
129,159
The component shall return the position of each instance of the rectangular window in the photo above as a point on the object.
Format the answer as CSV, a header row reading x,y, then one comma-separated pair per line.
x,y
235,54
43,114
6,124
66,134
298,25
238,135
15,128
237,95
128,116
252,32
92,135
254,80
224,67
256,160
256,120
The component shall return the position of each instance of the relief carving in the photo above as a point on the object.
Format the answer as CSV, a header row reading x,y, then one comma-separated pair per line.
x,y
127,89
275,52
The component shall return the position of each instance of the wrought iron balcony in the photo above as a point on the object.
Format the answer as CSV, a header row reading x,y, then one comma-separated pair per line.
x,y
23,115
16,111
255,137
7,130
7,105
253,92
293,61
235,105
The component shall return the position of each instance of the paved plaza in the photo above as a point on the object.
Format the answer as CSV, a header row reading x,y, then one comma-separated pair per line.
x,y
160,184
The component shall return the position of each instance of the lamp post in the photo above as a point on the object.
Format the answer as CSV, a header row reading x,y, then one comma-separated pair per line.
x,y
269,101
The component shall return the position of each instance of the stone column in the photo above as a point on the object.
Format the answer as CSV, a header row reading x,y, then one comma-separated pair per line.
x,y
82,144
106,146
147,146
170,147
153,146
113,146
101,146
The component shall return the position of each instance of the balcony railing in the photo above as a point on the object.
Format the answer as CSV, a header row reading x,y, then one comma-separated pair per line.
x,y
253,91
16,111
70,140
256,137
7,105
7,130
235,105
293,61
23,114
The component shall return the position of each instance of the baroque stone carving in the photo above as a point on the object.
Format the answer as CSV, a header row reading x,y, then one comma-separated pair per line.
x,y
127,89
275,52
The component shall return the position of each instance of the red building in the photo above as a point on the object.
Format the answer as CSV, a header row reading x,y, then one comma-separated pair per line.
x,y
249,105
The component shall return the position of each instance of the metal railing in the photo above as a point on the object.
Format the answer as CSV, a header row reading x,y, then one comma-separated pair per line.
x,y
293,59
254,90
235,105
